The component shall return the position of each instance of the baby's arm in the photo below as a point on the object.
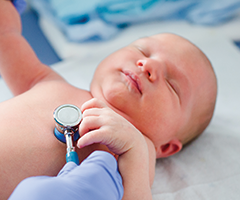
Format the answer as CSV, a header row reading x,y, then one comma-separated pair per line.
x,y
19,66
102,125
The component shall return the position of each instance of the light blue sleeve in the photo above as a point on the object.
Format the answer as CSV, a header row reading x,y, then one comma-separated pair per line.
x,y
96,178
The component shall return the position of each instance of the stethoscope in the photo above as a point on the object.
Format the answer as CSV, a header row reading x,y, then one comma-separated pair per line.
x,y
68,118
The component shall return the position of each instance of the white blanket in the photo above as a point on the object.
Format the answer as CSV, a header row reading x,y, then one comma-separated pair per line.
x,y
209,167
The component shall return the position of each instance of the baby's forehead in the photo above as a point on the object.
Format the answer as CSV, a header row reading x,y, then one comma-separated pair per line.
x,y
164,40
168,36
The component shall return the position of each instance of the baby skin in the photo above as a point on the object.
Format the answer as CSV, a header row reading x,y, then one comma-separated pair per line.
x,y
146,101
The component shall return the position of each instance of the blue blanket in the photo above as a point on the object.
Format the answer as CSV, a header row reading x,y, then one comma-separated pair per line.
x,y
82,20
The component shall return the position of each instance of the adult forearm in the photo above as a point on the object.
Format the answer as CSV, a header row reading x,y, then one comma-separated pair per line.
x,y
9,18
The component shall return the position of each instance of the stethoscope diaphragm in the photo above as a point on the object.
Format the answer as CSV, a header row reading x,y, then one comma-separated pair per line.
x,y
67,117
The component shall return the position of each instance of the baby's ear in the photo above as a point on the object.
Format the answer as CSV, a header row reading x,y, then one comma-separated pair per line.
x,y
168,149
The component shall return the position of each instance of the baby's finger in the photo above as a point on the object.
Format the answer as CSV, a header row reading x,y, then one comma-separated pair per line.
x,y
89,123
92,112
93,103
94,136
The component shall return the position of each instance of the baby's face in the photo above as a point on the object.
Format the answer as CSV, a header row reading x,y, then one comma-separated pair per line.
x,y
154,83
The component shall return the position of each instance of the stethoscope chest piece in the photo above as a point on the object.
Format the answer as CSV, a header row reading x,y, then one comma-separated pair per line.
x,y
67,118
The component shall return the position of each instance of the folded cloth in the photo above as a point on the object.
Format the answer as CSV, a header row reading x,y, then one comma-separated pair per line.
x,y
214,12
133,11
196,11
78,25
102,19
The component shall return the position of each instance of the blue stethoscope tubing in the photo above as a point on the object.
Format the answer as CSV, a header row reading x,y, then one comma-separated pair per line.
x,y
71,156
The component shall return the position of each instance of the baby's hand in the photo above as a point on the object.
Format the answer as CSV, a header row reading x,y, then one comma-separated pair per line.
x,y
101,124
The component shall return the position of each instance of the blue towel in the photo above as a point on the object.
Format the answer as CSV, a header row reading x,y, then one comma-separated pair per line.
x,y
81,27
88,20
204,12
214,12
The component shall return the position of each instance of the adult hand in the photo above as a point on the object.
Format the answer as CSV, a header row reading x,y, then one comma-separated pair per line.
x,y
97,177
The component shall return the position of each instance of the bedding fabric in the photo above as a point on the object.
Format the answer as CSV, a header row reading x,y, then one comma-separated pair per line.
x,y
102,19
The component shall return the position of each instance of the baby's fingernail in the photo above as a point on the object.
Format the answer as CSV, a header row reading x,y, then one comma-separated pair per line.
x,y
79,145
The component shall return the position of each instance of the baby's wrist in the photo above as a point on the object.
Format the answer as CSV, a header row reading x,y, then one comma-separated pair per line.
x,y
138,149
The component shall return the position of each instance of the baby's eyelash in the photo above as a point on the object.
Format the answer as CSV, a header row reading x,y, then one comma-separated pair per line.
x,y
172,87
143,52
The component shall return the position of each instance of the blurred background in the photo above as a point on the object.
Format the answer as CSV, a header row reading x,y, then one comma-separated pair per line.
x,y
34,35
59,29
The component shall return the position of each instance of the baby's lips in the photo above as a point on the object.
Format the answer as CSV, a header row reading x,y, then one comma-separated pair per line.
x,y
135,80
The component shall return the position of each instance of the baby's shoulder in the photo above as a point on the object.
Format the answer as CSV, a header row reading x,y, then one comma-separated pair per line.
x,y
60,91
57,86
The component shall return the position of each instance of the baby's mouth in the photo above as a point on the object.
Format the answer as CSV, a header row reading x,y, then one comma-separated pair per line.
x,y
134,80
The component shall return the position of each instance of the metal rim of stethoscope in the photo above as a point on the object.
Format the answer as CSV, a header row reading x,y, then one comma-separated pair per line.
x,y
67,116
61,111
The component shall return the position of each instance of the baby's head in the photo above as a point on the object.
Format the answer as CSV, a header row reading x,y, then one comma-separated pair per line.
x,y
164,85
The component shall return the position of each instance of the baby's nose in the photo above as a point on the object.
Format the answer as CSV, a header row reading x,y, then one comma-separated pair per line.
x,y
141,63
146,68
